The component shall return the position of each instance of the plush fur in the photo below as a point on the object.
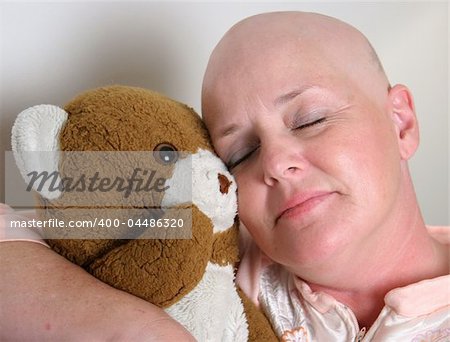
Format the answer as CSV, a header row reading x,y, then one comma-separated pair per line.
x,y
192,279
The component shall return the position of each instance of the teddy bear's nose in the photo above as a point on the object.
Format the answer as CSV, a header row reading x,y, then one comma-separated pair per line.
x,y
224,183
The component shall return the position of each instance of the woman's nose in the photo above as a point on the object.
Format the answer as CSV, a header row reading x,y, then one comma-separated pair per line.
x,y
282,159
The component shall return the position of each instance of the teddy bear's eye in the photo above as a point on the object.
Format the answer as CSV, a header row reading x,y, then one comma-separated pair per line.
x,y
165,154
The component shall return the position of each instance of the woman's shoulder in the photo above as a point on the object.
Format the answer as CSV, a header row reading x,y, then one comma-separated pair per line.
x,y
440,233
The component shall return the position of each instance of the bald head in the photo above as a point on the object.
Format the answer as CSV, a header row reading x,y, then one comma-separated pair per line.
x,y
263,47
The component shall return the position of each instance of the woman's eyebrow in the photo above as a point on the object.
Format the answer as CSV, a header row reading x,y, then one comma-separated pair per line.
x,y
289,96
227,130
231,128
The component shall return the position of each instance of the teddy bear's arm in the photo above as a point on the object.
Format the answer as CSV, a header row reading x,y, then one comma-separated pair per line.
x,y
259,328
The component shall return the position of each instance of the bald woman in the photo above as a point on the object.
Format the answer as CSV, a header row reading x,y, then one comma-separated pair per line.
x,y
299,108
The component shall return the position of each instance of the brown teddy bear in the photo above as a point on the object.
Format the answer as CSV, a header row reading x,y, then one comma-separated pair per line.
x,y
161,206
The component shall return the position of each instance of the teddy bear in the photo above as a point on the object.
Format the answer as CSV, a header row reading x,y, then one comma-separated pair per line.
x,y
139,167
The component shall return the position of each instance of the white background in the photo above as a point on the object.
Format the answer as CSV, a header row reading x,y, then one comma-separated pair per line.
x,y
51,51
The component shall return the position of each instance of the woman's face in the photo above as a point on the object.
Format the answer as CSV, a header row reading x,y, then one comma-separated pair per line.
x,y
315,158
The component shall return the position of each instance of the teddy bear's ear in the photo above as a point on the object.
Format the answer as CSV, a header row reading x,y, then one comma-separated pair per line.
x,y
35,144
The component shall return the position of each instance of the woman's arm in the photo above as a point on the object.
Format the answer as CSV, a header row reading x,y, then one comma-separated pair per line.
x,y
45,297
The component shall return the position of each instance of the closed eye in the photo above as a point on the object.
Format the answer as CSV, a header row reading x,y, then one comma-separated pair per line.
x,y
233,164
310,124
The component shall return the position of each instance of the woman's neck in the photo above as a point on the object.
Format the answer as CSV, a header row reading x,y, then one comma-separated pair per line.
x,y
416,258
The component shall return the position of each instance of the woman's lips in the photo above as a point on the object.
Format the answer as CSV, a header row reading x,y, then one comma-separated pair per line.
x,y
301,204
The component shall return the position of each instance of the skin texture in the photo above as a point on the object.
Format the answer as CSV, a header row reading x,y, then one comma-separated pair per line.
x,y
299,107
47,298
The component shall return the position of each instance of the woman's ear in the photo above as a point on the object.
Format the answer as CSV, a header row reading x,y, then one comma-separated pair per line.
x,y
401,109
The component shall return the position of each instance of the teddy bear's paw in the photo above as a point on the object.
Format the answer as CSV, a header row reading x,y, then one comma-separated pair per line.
x,y
213,311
